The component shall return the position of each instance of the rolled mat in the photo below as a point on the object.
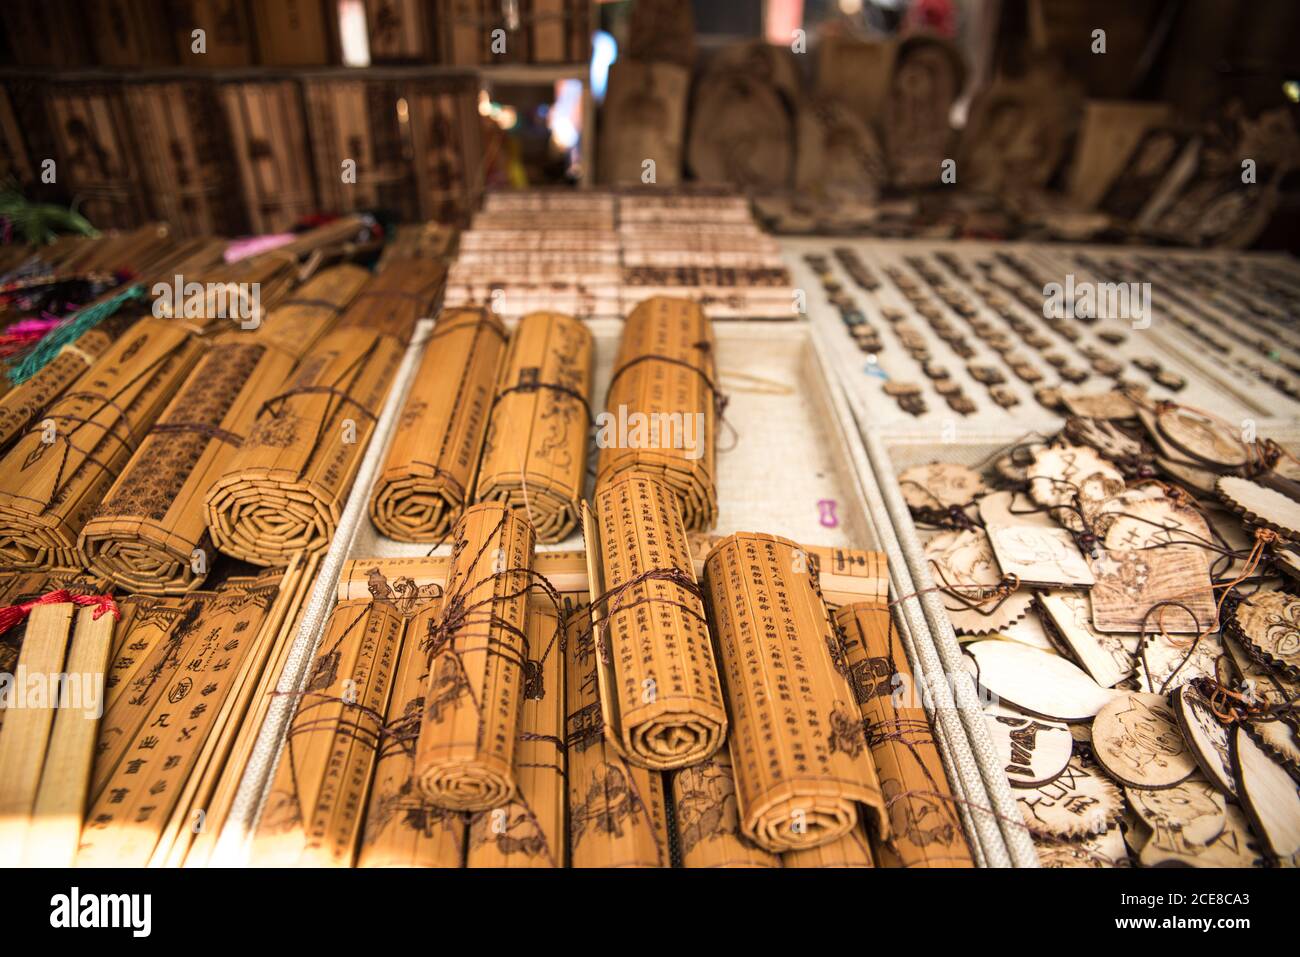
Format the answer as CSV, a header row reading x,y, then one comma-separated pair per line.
x,y
801,761
479,659
56,474
661,410
925,827
708,825
430,468
535,458
660,697
150,534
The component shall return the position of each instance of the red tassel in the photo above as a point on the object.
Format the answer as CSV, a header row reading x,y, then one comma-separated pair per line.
x,y
14,614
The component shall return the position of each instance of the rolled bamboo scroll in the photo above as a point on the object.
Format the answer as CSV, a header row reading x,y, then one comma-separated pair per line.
x,y
57,473
851,850
535,458
801,762
663,395
479,665
403,828
708,825
528,831
617,816
660,698
312,816
150,533
284,490
430,468
925,827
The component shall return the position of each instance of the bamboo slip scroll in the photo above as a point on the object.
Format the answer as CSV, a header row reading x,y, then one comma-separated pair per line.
x,y
664,388
431,464
480,659
284,490
661,702
151,778
321,785
528,831
535,457
925,828
150,533
55,476
402,828
801,762
617,815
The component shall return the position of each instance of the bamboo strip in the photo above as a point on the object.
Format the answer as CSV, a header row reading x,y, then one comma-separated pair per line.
x,y
150,533
660,697
285,488
708,823
801,763
403,829
27,729
65,779
222,794
190,814
312,815
617,815
479,656
128,817
53,478
925,827
664,389
435,452
529,830
536,453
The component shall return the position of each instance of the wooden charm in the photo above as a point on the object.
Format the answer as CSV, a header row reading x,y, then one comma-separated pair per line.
x,y
1036,682
1039,556
1136,740
1269,796
963,562
1129,585
1079,802
1033,752
1261,505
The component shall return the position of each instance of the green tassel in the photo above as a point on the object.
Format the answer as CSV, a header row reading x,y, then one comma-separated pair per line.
x,y
72,330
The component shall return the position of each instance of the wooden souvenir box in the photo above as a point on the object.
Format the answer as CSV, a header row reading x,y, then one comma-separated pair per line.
x,y
798,451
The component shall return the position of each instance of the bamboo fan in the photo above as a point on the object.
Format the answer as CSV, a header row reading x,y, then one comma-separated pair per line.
x,y
664,387
925,828
435,452
528,830
402,828
321,785
801,763
480,656
56,474
150,533
660,699
128,817
535,458
708,825
617,815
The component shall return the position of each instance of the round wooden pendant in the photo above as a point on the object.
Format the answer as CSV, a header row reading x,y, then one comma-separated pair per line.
x,y
1081,801
1032,751
1234,847
1201,438
1268,624
939,486
1206,736
1193,809
1135,738
1261,505
964,562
